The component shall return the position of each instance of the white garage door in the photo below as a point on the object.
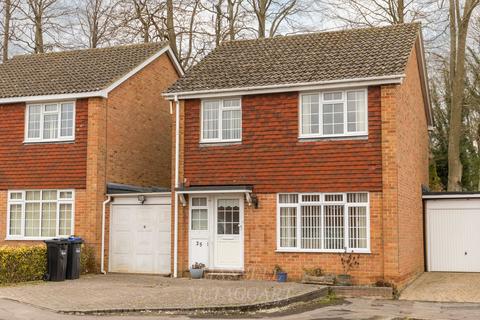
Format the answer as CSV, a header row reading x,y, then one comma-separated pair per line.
x,y
140,235
453,235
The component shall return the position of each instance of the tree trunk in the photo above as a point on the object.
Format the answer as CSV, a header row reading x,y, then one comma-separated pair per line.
x,y
172,37
39,34
458,41
260,7
218,22
6,28
231,19
401,11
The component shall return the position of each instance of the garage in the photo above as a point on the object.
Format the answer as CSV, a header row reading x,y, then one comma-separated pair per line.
x,y
452,223
140,233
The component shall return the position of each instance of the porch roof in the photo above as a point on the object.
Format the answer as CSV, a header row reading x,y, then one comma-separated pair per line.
x,y
215,189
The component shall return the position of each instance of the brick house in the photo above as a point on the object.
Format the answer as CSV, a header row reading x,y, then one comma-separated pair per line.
x,y
290,149
72,122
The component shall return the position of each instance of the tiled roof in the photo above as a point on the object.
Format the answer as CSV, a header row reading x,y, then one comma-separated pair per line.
x,y
299,59
74,71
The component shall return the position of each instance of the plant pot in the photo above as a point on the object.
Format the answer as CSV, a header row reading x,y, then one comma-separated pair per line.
x,y
325,279
344,280
196,273
281,277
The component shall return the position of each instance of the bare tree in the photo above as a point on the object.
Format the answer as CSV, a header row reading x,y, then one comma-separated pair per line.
x,y
145,18
96,21
459,23
272,12
8,9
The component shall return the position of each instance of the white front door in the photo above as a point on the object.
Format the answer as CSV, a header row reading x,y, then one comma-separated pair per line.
x,y
228,252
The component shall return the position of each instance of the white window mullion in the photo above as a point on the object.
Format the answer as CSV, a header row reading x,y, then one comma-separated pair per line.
x,y
220,120
346,226
320,114
345,113
299,224
57,215
59,120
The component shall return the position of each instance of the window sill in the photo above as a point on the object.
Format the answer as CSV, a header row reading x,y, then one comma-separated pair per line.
x,y
283,250
333,138
219,143
13,238
62,141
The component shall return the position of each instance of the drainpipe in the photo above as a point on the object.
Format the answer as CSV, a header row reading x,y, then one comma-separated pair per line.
x,y
177,160
102,258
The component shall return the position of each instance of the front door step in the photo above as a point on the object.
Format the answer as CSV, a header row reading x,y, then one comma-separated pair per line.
x,y
223,275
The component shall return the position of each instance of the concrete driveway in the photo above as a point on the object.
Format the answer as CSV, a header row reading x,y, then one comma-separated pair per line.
x,y
444,287
122,292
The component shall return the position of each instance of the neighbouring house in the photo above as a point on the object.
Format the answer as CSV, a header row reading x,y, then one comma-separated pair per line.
x,y
288,150
72,123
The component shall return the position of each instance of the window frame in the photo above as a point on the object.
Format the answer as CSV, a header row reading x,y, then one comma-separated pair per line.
x,y
220,138
23,203
322,203
42,121
321,101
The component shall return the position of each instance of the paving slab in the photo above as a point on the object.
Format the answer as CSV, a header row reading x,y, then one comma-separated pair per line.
x,y
148,292
444,287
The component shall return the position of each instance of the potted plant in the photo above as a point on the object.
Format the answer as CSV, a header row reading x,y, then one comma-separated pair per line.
x,y
280,274
196,270
316,276
349,261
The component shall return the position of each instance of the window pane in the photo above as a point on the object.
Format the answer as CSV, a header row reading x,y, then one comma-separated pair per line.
x,y
231,124
356,109
66,122
32,195
311,198
15,220
49,195
334,223
199,219
51,108
66,195
357,231
310,114
228,215
327,96
211,111
34,118
311,227
199,202
357,197
50,122
65,222
233,103
288,198
32,219
48,219
16,196
333,118
333,197
288,227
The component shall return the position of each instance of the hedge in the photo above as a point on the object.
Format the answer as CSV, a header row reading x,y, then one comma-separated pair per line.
x,y
25,263
29,263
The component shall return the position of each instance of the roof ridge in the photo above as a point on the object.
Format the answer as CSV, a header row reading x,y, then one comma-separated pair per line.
x,y
306,34
129,45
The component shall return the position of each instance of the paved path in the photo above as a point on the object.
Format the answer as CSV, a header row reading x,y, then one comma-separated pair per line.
x,y
121,291
444,287
352,309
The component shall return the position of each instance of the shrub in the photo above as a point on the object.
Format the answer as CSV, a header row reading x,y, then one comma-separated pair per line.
x,y
87,260
25,263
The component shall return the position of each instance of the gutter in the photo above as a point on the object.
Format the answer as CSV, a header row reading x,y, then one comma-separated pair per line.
x,y
177,160
304,86
102,258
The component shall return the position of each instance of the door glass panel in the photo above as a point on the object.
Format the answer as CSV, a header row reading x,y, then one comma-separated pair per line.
x,y
228,216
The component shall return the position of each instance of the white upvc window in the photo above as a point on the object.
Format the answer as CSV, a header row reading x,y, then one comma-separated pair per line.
x,y
40,214
199,214
323,222
50,122
334,114
221,120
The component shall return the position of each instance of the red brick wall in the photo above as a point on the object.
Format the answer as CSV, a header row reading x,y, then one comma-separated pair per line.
x,y
272,158
405,169
41,165
139,127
